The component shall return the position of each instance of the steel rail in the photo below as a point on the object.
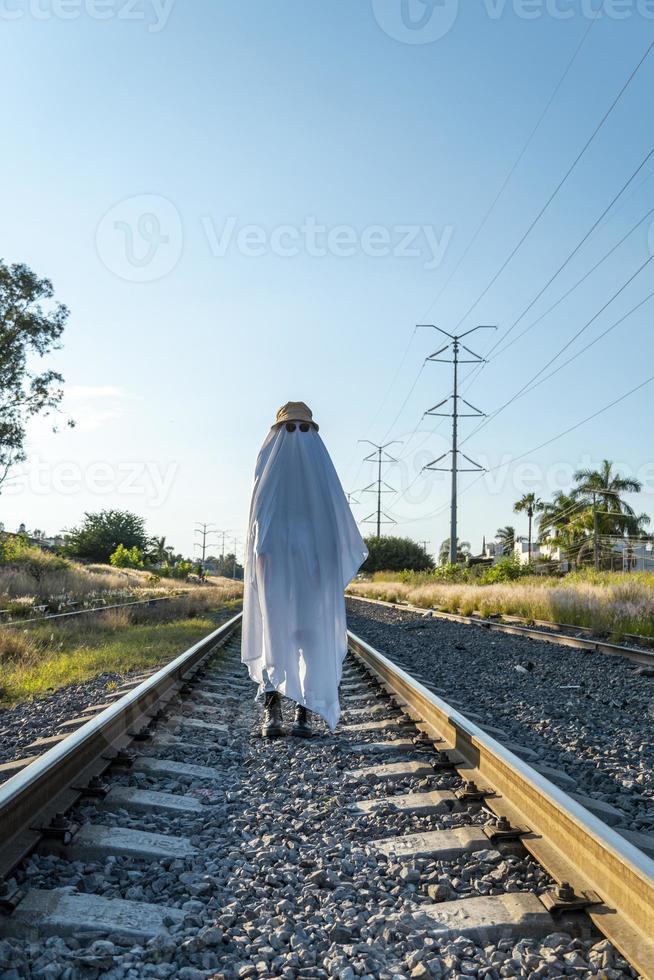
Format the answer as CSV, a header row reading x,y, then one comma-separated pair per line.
x,y
54,782
636,638
90,609
544,635
564,837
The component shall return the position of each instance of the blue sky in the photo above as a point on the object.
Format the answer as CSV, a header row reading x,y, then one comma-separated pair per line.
x,y
223,193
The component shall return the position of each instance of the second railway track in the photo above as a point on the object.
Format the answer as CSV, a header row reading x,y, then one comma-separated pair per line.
x,y
579,637
187,846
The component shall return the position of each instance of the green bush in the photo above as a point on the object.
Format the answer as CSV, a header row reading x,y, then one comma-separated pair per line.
x,y
16,550
124,557
395,555
181,570
505,570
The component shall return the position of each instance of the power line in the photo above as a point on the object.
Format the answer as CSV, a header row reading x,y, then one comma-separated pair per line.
x,y
385,399
591,344
403,405
559,185
567,260
481,226
577,425
572,254
565,295
522,390
513,169
474,373
534,449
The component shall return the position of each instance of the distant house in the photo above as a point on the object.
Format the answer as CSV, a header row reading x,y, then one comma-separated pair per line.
x,y
493,552
633,556
38,538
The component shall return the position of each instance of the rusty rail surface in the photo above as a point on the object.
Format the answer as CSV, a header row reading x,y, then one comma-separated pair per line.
x,y
565,838
55,781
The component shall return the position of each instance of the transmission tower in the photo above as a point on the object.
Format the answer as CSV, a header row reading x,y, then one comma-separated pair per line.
x,y
455,346
381,457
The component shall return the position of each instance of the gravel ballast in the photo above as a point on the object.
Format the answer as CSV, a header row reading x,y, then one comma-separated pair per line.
x,y
41,717
285,881
587,714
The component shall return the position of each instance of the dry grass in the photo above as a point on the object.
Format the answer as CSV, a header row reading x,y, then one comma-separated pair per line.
x,y
46,656
611,604
83,583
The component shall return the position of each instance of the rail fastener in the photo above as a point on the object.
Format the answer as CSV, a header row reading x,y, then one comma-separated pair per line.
x,y
50,785
570,843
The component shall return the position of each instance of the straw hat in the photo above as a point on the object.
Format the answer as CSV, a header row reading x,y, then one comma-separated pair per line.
x,y
295,412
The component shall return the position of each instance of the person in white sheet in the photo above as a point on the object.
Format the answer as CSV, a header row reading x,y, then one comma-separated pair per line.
x,y
302,548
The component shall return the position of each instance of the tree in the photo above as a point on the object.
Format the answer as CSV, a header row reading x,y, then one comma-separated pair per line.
x,y
506,538
390,554
100,534
226,565
462,551
600,492
565,523
27,332
158,551
530,504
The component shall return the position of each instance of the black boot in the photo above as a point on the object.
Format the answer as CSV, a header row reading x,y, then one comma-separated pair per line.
x,y
301,727
273,720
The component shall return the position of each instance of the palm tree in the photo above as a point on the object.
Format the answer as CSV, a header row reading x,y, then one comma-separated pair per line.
x,y
157,549
530,504
462,551
506,538
565,523
614,518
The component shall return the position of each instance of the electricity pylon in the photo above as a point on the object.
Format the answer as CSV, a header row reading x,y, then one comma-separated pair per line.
x,y
454,344
380,456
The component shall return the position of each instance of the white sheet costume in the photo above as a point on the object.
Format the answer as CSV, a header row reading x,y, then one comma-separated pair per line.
x,y
303,547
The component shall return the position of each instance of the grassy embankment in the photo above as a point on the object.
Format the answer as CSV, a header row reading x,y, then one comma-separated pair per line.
x,y
36,578
609,602
46,656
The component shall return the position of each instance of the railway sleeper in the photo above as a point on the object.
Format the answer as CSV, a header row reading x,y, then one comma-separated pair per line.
x,y
413,791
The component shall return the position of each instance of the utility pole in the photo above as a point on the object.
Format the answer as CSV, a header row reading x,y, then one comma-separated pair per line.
x,y
205,530
222,533
424,544
594,491
455,345
596,554
234,563
381,457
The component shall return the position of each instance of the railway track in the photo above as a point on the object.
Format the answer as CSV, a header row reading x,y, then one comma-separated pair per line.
x,y
165,838
89,609
579,637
